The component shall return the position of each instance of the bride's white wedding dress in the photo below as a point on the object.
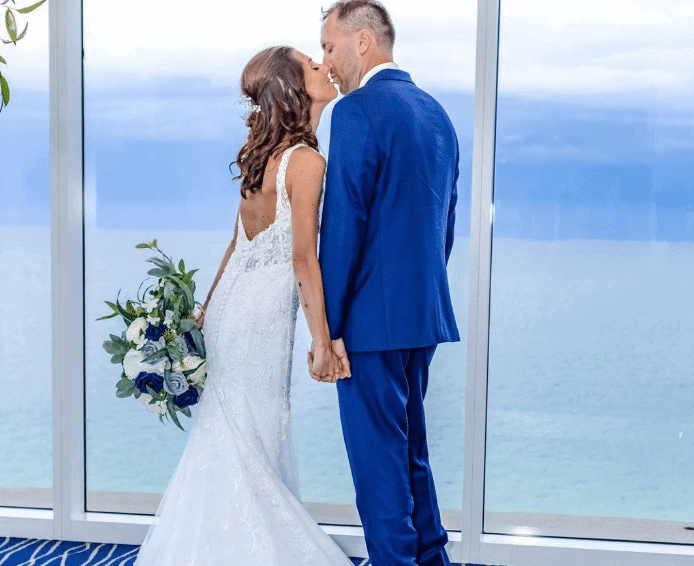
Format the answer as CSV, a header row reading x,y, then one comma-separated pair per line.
x,y
234,499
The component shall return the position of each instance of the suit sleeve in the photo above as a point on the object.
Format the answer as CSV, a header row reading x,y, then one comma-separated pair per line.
x,y
450,227
349,189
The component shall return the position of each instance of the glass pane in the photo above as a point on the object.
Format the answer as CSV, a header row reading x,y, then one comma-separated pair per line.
x,y
25,271
590,385
160,132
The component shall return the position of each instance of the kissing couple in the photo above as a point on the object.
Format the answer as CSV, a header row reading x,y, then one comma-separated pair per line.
x,y
375,297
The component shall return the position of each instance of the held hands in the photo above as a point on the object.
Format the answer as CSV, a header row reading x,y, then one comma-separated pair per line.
x,y
329,362
199,315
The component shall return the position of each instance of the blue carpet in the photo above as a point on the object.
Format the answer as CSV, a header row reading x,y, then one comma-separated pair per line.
x,y
33,552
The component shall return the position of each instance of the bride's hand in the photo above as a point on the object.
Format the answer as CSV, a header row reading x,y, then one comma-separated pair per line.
x,y
324,365
199,314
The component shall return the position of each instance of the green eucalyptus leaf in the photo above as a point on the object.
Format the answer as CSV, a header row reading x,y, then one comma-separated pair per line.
x,y
156,356
199,341
121,341
174,418
108,316
186,326
30,8
2,60
186,290
186,412
124,383
110,347
24,32
159,262
121,393
157,272
155,395
117,358
5,89
11,25
174,352
124,313
143,247
182,267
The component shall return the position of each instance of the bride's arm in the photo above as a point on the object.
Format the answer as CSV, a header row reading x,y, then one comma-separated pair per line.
x,y
304,185
220,271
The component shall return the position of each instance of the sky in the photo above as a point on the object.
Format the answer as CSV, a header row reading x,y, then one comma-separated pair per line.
x,y
583,86
553,46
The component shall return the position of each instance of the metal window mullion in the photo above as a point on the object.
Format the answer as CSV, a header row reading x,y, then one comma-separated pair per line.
x,y
65,44
486,79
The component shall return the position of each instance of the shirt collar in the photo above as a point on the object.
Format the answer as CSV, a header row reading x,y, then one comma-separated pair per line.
x,y
376,69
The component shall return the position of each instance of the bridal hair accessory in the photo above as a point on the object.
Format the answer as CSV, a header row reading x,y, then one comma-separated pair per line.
x,y
248,102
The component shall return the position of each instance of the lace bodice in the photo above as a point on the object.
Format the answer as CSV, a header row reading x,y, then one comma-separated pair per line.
x,y
274,244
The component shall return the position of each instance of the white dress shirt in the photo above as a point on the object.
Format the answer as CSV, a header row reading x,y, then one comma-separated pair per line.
x,y
376,69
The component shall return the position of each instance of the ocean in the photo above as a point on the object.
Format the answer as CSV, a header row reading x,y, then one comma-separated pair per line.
x,y
590,377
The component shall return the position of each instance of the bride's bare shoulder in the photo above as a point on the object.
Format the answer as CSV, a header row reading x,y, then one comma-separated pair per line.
x,y
305,157
305,169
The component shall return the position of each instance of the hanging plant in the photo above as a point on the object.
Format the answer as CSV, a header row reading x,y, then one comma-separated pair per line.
x,y
14,35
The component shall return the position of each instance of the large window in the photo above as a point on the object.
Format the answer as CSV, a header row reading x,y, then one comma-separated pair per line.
x,y
25,272
160,132
579,225
592,319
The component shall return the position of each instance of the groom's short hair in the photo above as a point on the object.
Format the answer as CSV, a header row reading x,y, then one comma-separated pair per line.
x,y
365,14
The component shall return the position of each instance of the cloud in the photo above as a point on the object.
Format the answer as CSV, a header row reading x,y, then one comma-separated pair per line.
x,y
640,50
158,63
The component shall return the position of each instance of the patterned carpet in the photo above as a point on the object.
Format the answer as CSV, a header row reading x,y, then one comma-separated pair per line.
x,y
32,552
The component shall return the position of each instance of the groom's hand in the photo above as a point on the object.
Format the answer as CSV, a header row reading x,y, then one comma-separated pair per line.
x,y
323,364
341,353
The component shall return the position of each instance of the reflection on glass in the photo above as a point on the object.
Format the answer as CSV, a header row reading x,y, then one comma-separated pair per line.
x,y
589,407
25,275
162,124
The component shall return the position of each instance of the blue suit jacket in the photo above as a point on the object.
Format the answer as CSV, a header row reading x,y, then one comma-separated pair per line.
x,y
388,216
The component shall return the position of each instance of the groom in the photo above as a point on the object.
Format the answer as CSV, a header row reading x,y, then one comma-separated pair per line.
x,y
386,235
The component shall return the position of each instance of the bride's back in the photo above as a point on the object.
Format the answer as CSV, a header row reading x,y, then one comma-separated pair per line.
x,y
258,209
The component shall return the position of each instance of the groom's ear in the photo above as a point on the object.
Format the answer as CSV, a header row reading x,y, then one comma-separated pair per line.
x,y
364,40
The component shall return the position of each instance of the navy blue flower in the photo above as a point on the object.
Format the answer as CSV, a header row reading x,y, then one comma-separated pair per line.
x,y
155,332
153,380
190,397
191,344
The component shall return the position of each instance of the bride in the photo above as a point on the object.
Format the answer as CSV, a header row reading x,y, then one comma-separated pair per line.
x,y
233,500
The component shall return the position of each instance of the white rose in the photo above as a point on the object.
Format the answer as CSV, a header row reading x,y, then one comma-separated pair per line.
x,y
133,365
136,330
132,362
158,407
189,362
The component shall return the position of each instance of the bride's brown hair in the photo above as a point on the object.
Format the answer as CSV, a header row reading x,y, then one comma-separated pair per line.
x,y
273,80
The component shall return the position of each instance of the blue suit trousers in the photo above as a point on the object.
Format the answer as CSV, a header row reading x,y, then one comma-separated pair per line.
x,y
382,414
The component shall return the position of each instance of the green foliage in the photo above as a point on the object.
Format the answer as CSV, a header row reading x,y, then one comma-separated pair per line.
x,y
12,28
125,388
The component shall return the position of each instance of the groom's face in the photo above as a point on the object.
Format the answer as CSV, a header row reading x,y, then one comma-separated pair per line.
x,y
340,54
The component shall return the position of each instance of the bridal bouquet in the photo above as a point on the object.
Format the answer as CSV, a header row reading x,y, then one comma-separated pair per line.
x,y
162,351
